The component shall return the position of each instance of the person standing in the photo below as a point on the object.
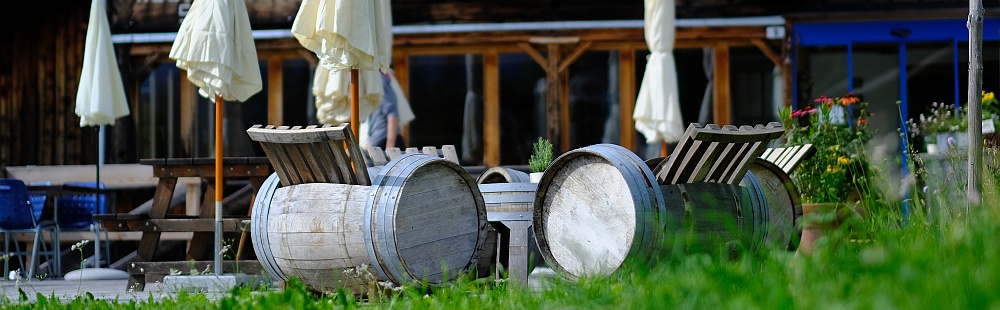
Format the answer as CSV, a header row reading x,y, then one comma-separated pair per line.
x,y
383,123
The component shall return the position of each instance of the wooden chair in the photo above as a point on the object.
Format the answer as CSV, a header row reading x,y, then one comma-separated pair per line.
x,y
787,158
375,156
327,154
714,154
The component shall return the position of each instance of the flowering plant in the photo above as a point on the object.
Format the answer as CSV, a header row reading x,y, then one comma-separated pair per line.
x,y
941,118
837,128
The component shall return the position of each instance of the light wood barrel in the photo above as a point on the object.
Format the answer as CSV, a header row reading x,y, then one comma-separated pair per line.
x,y
426,221
783,206
314,232
596,207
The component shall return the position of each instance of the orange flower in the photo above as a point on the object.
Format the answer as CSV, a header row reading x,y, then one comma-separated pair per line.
x,y
849,99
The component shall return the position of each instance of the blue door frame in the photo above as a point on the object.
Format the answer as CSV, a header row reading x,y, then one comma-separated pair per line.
x,y
901,32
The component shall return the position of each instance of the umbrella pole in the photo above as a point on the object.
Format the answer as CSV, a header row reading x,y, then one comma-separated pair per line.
x,y
218,185
355,122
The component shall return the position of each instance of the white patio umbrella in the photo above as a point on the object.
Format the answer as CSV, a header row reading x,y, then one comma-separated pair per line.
x,y
215,45
100,99
657,110
332,91
345,35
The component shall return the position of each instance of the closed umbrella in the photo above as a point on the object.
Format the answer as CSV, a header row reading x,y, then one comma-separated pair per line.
x,y
657,110
215,45
332,91
345,35
100,99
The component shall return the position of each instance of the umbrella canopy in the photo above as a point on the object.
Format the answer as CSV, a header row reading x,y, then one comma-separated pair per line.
x,y
100,99
331,89
657,110
215,45
344,34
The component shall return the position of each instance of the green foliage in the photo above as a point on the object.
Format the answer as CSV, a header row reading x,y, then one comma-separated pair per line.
x,y
838,171
541,156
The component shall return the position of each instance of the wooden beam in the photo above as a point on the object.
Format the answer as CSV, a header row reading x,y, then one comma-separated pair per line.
x,y
401,70
564,131
721,107
626,97
531,51
491,108
552,102
275,106
767,51
583,47
188,115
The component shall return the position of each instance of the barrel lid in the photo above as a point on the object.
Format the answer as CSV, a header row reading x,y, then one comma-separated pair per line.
x,y
783,205
594,207
427,220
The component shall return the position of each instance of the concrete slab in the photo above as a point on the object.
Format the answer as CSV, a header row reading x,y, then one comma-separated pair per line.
x,y
211,283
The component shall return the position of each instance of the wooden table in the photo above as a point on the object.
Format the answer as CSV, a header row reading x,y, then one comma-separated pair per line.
x,y
157,221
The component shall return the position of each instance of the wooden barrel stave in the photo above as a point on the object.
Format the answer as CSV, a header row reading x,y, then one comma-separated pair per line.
x,y
315,233
715,216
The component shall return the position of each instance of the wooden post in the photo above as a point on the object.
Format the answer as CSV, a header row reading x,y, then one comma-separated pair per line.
x,y
564,112
626,97
401,67
552,101
355,102
491,108
975,108
275,106
720,81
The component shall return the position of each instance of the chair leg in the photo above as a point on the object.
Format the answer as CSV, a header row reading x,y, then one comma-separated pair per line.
x,y
34,252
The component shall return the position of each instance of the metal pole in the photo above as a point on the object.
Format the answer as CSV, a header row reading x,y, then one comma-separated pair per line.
x,y
218,185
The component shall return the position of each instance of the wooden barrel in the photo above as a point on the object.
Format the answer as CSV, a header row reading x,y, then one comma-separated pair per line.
x,y
500,174
713,218
783,206
314,232
594,208
426,221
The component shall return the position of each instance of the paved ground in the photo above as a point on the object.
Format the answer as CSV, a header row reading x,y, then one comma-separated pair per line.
x,y
116,289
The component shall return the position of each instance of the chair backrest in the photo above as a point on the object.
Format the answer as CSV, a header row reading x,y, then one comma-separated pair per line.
x,y
715,154
312,154
78,210
15,205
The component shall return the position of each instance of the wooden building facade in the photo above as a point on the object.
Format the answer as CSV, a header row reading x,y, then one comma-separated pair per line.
x,y
503,49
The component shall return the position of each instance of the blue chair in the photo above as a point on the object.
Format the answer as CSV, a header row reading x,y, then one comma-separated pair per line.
x,y
20,213
76,213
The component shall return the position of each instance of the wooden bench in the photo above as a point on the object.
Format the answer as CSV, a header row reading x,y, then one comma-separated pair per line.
x,y
788,158
375,156
714,154
327,154
155,221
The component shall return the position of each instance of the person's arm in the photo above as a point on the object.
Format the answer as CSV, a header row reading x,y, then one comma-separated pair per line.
x,y
392,127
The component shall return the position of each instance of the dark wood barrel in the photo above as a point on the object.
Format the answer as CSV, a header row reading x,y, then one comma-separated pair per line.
x,y
596,207
500,174
314,232
783,206
426,221
713,217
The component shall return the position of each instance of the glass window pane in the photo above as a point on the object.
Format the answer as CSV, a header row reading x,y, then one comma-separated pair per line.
x,y
439,86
